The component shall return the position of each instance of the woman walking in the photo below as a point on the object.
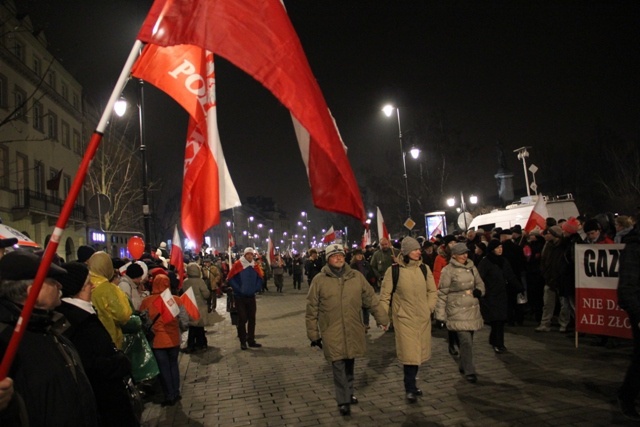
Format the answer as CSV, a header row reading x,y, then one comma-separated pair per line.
x,y
496,274
411,300
458,305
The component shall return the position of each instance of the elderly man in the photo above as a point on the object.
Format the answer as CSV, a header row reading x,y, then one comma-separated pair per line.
x,y
334,319
383,258
246,279
47,373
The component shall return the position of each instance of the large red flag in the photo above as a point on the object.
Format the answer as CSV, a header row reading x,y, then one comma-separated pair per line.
x,y
177,257
258,37
538,217
186,73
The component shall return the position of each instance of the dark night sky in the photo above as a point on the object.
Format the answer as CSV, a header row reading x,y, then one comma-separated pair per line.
x,y
523,72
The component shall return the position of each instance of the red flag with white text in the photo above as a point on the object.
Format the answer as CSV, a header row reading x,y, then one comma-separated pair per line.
x,y
257,37
538,217
187,74
177,257
329,236
382,228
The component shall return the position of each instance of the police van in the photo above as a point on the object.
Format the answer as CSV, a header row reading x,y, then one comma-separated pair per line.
x,y
518,213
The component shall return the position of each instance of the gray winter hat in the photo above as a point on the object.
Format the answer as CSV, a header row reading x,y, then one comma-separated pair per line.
x,y
409,244
459,249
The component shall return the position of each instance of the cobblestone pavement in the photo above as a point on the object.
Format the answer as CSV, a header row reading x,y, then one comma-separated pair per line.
x,y
542,381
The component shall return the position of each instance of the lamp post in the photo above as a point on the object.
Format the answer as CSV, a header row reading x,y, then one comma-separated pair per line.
x,y
306,227
451,202
415,152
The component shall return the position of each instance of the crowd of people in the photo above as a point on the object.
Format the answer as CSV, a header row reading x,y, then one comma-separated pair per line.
x,y
104,329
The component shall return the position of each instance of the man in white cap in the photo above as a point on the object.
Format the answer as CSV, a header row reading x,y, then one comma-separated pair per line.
x,y
246,279
334,319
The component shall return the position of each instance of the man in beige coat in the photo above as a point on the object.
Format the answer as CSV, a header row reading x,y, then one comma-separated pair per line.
x,y
334,319
413,302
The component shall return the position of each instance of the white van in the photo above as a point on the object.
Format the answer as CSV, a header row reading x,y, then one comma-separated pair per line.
x,y
518,213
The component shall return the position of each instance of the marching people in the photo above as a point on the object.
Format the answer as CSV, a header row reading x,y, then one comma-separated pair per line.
x,y
458,305
107,368
383,258
411,300
498,276
312,266
629,301
196,338
50,386
245,279
277,268
334,320
166,341
441,261
358,263
297,266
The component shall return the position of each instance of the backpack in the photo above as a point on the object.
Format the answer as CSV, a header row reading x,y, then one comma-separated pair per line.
x,y
395,275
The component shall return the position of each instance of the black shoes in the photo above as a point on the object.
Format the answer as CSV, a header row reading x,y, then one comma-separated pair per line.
x,y
354,400
500,350
345,410
411,397
418,392
453,351
472,378
255,345
628,409
243,346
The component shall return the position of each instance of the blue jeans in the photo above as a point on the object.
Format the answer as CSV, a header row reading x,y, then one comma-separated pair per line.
x,y
167,359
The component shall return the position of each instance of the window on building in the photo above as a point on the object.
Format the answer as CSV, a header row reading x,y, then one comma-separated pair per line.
x,y
76,101
37,112
22,171
65,91
76,142
65,134
4,167
37,66
4,96
38,177
52,175
66,185
20,97
18,50
52,79
52,119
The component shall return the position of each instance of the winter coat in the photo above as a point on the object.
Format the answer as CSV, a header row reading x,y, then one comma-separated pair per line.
x,y
334,312
456,304
551,263
629,282
200,291
440,263
167,334
413,302
105,366
47,372
497,275
245,278
382,260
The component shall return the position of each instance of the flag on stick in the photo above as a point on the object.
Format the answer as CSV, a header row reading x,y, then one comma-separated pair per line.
x,y
177,257
538,217
167,306
382,228
366,236
54,183
189,302
187,74
329,236
271,253
258,38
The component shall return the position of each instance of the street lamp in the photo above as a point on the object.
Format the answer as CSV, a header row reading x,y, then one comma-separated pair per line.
x,y
451,202
415,152
307,227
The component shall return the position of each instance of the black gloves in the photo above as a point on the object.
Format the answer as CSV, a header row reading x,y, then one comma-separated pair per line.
x,y
477,293
440,324
317,343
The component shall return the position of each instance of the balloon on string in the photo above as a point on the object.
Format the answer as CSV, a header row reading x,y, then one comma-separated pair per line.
x,y
136,247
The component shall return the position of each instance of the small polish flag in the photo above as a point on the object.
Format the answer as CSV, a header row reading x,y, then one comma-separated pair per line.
x,y
189,302
167,306
382,228
538,217
329,236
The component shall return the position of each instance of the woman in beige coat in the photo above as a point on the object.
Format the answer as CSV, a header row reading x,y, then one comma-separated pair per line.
x,y
411,306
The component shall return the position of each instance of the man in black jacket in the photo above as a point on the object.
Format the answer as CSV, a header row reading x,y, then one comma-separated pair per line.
x,y
51,387
629,300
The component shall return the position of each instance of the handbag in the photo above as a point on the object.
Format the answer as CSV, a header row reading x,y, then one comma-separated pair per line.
x,y
134,398
148,330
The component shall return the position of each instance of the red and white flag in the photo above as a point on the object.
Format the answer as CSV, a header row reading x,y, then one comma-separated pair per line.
x,y
382,228
177,257
366,237
538,217
329,236
167,306
271,253
190,304
187,74
257,37
232,243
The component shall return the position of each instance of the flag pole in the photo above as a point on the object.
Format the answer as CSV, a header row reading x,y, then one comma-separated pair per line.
x,y
65,213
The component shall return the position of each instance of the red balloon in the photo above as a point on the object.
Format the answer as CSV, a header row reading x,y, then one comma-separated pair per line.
x,y
136,247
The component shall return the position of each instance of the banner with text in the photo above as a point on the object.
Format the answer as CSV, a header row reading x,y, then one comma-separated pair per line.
x,y
597,310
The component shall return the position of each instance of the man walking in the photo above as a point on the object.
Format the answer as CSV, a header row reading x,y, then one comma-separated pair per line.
x,y
246,279
383,258
334,320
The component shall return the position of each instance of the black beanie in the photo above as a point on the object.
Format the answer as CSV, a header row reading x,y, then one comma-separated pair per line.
x,y
84,253
74,280
494,243
134,271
